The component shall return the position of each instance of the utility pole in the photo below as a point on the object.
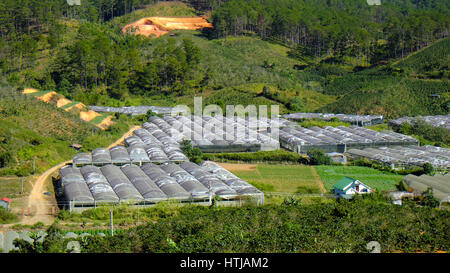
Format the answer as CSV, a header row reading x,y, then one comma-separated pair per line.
x,y
34,158
21,192
112,227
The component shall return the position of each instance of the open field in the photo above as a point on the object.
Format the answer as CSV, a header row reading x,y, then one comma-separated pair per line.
x,y
373,178
11,186
278,178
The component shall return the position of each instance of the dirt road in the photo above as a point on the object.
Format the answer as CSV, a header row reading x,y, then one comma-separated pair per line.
x,y
318,180
41,205
127,134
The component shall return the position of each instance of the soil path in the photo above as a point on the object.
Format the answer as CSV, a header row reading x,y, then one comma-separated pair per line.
x,y
318,180
40,205
238,167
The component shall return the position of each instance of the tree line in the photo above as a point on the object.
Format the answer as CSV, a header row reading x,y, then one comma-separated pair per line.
x,y
25,24
331,29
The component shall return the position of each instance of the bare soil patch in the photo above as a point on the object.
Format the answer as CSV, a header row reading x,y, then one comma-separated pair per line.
x,y
159,26
238,167
89,115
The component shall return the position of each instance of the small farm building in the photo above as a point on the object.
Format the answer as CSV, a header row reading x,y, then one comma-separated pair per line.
x,y
4,202
347,187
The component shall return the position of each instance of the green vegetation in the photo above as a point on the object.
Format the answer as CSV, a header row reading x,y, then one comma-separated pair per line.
x,y
334,122
253,56
379,127
335,31
193,153
374,91
382,181
278,156
426,133
318,157
6,216
431,62
34,131
344,226
99,119
385,168
11,186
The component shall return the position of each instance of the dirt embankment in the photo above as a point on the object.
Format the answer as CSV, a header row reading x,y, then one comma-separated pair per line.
x,y
89,115
238,167
61,101
159,26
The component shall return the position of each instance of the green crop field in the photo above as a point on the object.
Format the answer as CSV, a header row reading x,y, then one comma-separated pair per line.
x,y
281,178
373,178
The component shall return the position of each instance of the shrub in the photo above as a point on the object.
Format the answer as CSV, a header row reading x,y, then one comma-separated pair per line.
x,y
318,157
428,168
193,153
6,216
260,156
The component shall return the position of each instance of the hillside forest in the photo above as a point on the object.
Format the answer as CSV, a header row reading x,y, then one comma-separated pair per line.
x,y
321,55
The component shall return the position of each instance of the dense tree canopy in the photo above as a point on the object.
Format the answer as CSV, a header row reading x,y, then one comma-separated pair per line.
x,y
331,28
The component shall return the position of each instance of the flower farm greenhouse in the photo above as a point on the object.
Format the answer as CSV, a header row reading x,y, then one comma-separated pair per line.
x,y
148,184
152,167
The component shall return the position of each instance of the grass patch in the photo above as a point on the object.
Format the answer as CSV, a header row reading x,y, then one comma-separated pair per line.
x,y
67,106
307,123
373,178
11,187
6,216
278,156
379,127
99,119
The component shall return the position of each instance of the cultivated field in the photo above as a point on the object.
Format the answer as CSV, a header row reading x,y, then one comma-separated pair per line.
x,y
278,178
373,178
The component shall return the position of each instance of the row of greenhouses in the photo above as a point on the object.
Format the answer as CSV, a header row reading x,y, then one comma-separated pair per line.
x,y
150,183
211,134
339,139
437,121
438,182
405,156
137,110
136,153
359,120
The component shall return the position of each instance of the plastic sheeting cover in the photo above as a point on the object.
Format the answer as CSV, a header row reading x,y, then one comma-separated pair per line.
x,y
186,180
166,183
98,185
146,187
120,183
209,180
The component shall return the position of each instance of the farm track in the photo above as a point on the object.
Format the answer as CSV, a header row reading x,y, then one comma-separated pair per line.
x,y
40,206
318,180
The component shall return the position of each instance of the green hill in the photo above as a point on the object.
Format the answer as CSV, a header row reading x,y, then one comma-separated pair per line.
x,y
35,130
93,62
407,87
431,62
391,96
